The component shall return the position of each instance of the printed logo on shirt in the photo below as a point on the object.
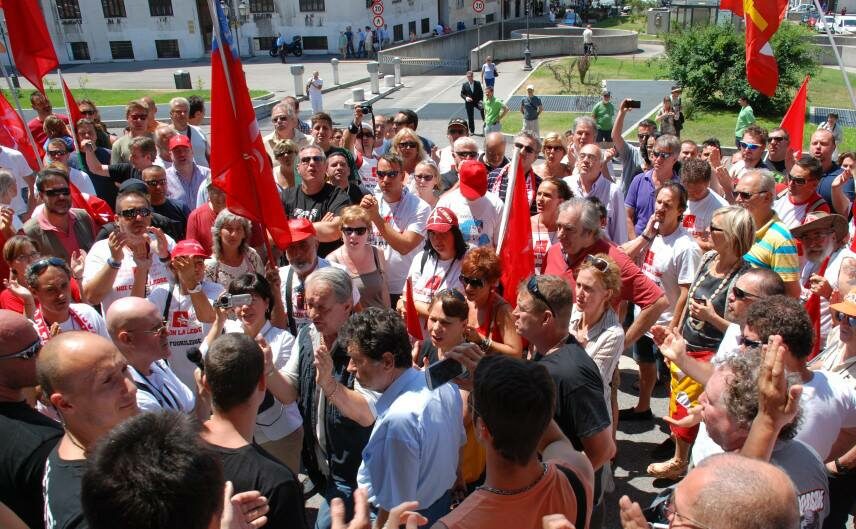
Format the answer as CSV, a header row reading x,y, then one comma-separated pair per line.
x,y
310,214
180,318
811,505
472,231
433,284
689,221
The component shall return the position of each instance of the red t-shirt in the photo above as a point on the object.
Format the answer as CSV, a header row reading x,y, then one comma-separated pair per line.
x,y
636,287
37,128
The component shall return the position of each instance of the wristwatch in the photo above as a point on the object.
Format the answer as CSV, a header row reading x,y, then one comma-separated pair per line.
x,y
195,290
112,263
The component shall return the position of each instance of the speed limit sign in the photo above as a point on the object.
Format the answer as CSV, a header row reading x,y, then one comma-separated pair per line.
x,y
377,8
377,21
478,6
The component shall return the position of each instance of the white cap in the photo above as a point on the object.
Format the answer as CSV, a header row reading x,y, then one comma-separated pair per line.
x,y
530,87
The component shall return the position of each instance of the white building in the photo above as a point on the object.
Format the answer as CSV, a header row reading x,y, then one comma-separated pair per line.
x,y
116,30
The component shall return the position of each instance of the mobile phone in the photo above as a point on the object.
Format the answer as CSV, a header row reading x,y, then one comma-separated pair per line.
x,y
229,301
443,371
634,103
699,299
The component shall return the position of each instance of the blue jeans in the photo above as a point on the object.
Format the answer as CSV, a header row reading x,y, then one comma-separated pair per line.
x,y
334,489
438,509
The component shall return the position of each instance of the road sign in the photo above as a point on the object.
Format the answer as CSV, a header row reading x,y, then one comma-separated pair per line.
x,y
377,21
478,6
377,8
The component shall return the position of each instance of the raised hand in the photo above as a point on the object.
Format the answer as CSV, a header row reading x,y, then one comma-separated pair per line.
x,y
776,401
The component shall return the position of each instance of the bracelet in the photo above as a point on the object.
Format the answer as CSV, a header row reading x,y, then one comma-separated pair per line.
x,y
112,263
649,239
839,468
164,259
335,389
485,344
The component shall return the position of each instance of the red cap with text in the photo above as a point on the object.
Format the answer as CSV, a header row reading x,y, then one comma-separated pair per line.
x,y
442,220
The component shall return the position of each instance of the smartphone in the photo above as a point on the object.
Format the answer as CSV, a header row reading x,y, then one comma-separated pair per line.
x,y
229,301
443,371
634,103
699,299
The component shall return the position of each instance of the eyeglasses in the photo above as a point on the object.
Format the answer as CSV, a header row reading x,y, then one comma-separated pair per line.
x,y
88,112
746,195
347,230
424,177
777,138
466,154
156,183
841,317
365,135
663,155
161,329
56,154
27,257
139,117
554,148
277,119
39,266
317,159
672,511
746,342
597,262
471,281
285,153
386,174
739,293
797,180
532,288
458,131
25,354
749,146
525,148
133,213
407,145
60,191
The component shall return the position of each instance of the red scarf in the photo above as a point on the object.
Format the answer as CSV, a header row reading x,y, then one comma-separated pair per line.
x,y
45,332
812,306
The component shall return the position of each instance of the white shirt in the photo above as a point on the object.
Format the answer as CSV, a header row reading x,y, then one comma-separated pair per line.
x,y
298,295
793,215
729,346
90,318
833,268
433,277
162,390
587,35
97,257
446,159
672,261
699,213
478,219
185,331
15,162
828,405
368,173
408,214
81,181
610,194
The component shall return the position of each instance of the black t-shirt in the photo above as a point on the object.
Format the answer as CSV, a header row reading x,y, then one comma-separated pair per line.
x,y
120,172
252,468
313,207
28,438
62,493
175,212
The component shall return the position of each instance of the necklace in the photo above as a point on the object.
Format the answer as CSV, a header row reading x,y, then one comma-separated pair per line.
x,y
699,324
512,492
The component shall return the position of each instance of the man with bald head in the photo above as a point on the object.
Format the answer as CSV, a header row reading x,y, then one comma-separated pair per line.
x,y
138,330
588,181
497,182
28,436
85,379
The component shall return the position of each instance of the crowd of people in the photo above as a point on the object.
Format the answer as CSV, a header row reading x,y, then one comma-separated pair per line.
x,y
163,365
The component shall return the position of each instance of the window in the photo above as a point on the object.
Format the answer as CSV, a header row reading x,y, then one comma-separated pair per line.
x,y
397,33
315,43
265,43
68,9
160,8
121,49
490,18
79,51
113,8
411,27
312,5
261,6
167,49
426,25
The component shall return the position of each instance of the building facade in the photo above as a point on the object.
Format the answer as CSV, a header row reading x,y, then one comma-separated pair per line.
x,y
124,30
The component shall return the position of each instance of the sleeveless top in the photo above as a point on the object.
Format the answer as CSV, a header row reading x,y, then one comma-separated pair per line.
x,y
495,301
371,285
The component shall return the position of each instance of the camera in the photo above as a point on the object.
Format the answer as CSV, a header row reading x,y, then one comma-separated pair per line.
x,y
230,301
366,109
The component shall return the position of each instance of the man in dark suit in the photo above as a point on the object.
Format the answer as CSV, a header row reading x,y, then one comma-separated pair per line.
x,y
471,93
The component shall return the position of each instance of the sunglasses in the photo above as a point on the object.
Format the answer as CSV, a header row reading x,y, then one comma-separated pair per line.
x,y
365,135
400,123
466,154
317,158
663,155
347,230
139,117
554,148
746,342
776,138
525,148
278,119
532,288
56,154
841,317
156,183
815,235
160,330
424,177
88,112
60,191
745,195
408,145
739,293
797,180
749,146
597,262
133,213
386,174
25,354
39,266
457,131
284,153
471,281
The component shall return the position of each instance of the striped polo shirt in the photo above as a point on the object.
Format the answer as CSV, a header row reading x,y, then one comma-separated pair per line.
x,y
775,249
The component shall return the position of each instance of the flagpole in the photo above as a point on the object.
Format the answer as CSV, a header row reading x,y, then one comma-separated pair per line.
x,y
509,193
21,112
837,55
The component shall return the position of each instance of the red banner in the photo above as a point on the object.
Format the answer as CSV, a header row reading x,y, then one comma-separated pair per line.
x,y
794,120
516,255
30,41
414,326
13,134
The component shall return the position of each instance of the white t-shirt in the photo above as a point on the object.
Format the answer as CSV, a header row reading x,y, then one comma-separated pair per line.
x,y
488,70
729,346
828,405
699,213
97,257
298,294
478,219
610,194
833,268
368,173
408,214
83,317
15,162
793,215
185,331
587,35
671,261
81,181
433,277
541,242
162,390
447,161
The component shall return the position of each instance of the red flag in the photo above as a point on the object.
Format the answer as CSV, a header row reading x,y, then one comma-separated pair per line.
x,y
13,134
516,255
794,120
96,207
73,110
239,164
414,326
735,6
31,43
762,21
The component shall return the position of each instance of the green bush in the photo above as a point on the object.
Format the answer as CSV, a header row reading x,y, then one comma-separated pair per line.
x,y
710,62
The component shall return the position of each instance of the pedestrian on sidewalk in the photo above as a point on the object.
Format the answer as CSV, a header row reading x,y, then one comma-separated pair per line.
x,y
370,39
361,43
313,90
488,72
349,45
343,44
531,108
473,96
494,110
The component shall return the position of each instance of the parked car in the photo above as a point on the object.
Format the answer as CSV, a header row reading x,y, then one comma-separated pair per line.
x,y
804,9
846,25
821,24
572,19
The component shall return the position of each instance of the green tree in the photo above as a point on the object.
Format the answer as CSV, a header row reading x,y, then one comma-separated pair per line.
x,y
710,62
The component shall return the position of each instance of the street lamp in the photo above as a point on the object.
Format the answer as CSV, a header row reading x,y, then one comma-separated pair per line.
x,y
527,53
236,21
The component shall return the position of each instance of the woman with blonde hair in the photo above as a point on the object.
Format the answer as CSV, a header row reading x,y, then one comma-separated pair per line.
x,y
232,255
426,182
285,174
408,146
554,150
365,263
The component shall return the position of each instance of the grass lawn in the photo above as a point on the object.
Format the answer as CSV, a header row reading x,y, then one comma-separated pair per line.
x,y
119,97
602,68
633,23
548,122
827,89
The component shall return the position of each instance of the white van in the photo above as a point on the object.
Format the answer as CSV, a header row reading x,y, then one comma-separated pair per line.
x,y
846,25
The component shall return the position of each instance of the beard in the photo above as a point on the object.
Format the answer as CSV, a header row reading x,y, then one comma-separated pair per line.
x,y
818,258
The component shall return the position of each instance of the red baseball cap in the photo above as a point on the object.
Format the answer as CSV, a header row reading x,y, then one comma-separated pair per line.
x,y
301,229
442,220
188,248
179,140
473,177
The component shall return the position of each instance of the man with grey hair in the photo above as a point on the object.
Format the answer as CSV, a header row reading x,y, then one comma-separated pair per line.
x,y
579,236
774,246
463,148
497,181
493,156
8,192
584,132
163,134
588,181
284,120
640,195
179,113
337,412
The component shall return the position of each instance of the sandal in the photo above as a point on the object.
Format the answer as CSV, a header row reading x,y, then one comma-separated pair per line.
x,y
671,469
